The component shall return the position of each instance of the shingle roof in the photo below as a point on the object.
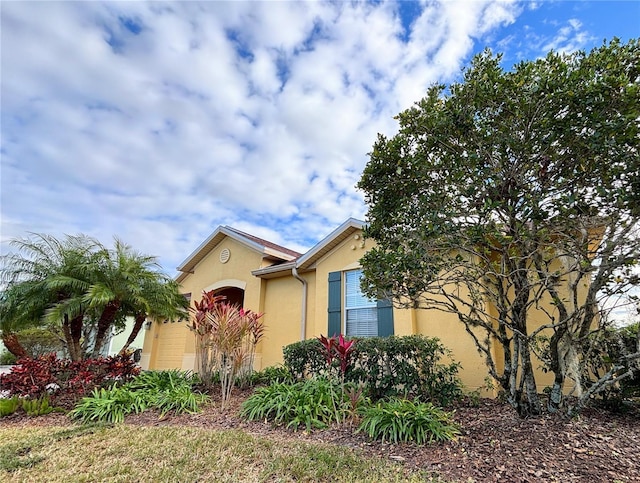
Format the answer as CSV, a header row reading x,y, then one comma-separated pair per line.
x,y
268,249
267,243
308,260
285,258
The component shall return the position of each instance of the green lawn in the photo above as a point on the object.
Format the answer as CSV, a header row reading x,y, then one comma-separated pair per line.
x,y
132,453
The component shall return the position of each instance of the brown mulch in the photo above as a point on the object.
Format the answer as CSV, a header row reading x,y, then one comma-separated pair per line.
x,y
495,444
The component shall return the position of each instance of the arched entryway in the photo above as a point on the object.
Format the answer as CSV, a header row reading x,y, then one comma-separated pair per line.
x,y
234,295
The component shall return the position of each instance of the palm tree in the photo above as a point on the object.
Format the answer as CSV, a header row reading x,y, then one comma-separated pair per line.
x,y
45,273
12,320
77,284
124,285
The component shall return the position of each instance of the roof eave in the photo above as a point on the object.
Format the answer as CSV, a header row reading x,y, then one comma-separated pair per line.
x,y
330,242
275,271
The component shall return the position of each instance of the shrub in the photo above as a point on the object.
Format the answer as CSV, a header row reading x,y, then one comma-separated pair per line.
x,y
611,347
305,359
7,358
272,375
313,403
401,420
226,339
38,341
408,366
63,379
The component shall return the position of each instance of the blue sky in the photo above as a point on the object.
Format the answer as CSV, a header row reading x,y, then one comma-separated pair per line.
x,y
157,122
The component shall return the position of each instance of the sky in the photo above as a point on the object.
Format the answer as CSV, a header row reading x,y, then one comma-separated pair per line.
x,y
157,122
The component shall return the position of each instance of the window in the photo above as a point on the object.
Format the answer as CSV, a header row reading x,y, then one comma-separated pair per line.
x,y
361,313
355,315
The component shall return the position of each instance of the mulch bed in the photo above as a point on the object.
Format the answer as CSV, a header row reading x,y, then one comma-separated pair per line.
x,y
496,445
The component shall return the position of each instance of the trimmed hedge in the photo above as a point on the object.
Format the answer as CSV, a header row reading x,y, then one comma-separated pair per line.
x,y
408,366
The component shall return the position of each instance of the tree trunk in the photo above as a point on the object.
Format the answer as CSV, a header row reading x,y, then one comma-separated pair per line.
x,y
532,407
134,332
555,396
76,336
11,342
104,324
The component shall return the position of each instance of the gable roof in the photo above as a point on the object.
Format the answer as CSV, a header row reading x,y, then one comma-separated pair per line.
x,y
308,260
269,250
332,240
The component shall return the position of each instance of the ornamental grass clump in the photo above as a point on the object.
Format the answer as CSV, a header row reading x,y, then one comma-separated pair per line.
x,y
226,339
314,403
164,391
403,421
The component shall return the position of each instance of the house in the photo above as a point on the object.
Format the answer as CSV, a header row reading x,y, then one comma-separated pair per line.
x,y
302,296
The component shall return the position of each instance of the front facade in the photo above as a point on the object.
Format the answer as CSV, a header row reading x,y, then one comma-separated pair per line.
x,y
302,296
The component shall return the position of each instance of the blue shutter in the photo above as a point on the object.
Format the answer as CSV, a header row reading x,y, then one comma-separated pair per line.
x,y
385,318
335,304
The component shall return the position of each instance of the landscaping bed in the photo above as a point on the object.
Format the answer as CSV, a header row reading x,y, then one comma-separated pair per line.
x,y
494,445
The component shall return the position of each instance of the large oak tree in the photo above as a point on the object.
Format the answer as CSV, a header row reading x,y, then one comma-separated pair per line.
x,y
513,195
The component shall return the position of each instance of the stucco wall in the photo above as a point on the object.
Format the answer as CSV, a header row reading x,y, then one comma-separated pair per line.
x,y
171,345
282,318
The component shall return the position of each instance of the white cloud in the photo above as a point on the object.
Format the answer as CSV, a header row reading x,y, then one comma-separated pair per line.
x,y
569,38
157,122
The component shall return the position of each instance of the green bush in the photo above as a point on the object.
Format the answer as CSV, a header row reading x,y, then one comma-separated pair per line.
x,y
305,359
271,375
408,366
39,341
313,403
7,358
162,390
628,337
607,349
401,420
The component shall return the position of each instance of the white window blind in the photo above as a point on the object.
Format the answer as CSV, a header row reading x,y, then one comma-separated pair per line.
x,y
360,312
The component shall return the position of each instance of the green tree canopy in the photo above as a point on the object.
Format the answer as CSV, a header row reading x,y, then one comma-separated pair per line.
x,y
83,290
512,193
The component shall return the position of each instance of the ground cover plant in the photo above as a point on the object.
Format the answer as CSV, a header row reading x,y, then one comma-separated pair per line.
x,y
401,420
164,391
314,403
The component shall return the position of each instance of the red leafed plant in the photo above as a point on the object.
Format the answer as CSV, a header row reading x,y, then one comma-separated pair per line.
x,y
65,380
337,348
343,349
226,338
340,349
329,348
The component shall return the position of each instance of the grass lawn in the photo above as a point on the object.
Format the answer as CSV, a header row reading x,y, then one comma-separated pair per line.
x,y
134,453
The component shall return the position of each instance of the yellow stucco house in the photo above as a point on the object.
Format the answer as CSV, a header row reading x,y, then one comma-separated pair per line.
x,y
301,296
